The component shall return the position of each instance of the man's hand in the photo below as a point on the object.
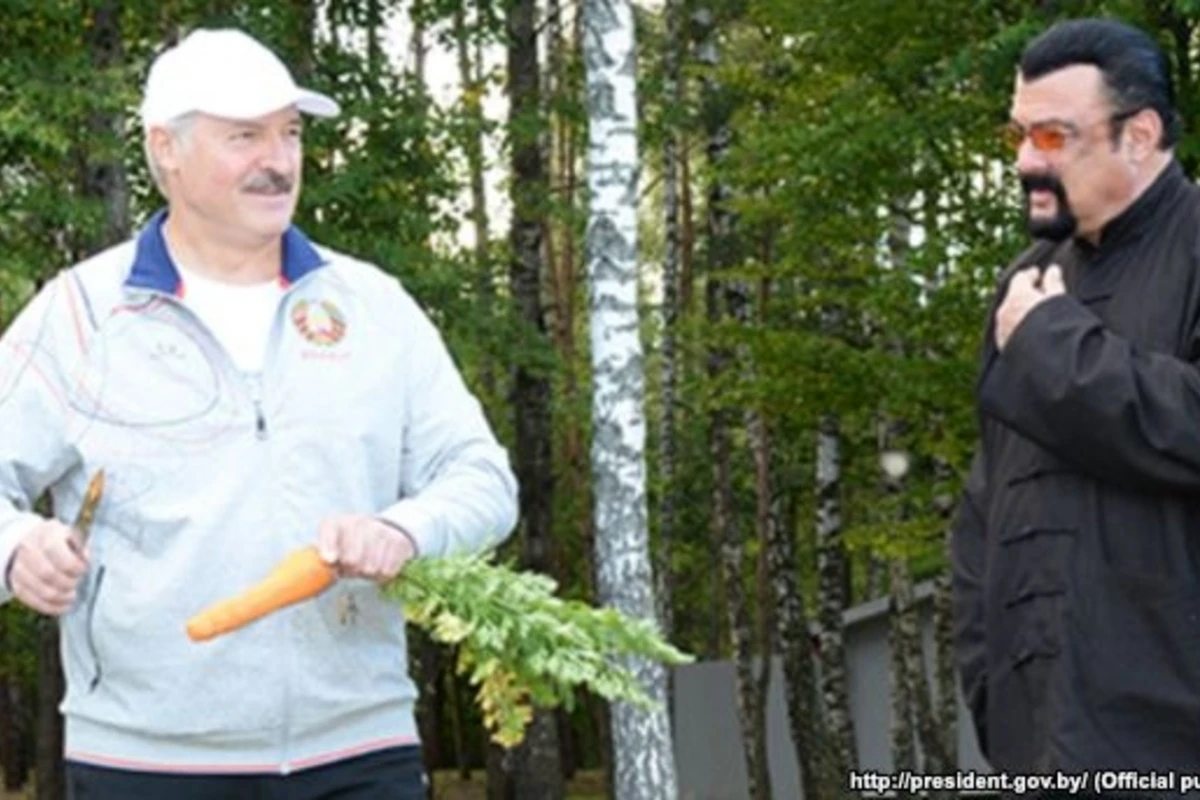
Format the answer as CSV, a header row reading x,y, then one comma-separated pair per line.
x,y
363,547
1025,291
46,567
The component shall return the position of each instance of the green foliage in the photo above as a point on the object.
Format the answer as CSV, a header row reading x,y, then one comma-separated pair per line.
x,y
520,644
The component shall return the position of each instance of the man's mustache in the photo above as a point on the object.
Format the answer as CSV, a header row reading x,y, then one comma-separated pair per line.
x,y
1041,181
269,182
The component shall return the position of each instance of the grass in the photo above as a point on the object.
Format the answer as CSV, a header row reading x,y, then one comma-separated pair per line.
x,y
587,785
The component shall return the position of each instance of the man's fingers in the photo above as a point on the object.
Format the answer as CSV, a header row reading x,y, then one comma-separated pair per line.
x,y
51,608
1052,281
394,556
354,546
389,553
329,541
48,559
39,586
64,552
374,555
1025,279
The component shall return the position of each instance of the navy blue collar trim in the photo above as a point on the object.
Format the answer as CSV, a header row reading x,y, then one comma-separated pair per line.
x,y
154,269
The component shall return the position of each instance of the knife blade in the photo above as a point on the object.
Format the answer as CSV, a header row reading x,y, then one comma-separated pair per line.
x,y
91,501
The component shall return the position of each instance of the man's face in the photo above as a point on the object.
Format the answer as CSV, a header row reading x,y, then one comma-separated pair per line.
x,y
1074,176
239,179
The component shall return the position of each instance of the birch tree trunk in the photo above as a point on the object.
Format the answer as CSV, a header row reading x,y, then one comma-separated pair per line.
x,y
831,568
806,720
929,723
730,297
902,632
945,678
754,693
644,766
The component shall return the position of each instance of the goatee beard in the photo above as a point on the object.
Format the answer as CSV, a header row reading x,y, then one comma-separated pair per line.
x,y
1063,224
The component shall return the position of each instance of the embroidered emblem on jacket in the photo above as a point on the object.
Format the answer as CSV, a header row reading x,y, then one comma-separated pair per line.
x,y
321,323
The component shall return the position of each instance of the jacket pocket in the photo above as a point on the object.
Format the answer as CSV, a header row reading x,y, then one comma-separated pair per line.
x,y
90,634
364,628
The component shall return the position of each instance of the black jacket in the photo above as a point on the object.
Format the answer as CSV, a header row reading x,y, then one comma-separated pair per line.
x,y
1076,550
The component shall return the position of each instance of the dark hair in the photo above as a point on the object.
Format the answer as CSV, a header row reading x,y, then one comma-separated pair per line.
x,y
1135,69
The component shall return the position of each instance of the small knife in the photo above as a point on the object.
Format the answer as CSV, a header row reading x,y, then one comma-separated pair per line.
x,y
91,501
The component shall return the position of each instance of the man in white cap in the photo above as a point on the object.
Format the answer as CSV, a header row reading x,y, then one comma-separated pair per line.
x,y
246,392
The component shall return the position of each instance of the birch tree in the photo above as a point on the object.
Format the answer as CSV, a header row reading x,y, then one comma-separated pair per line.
x,y
831,576
644,767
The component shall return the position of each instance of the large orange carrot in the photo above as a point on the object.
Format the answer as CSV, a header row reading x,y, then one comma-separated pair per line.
x,y
300,576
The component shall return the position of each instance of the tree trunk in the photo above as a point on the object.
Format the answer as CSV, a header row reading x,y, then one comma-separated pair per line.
x,y
670,317
537,760
13,731
453,694
903,648
946,720
687,233
642,744
722,255
299,39
569,745
831,568
945,678
806,719
427,666
500,780
102,172
9,736
538,773
417,46
765,519
374,28
51,778
473,89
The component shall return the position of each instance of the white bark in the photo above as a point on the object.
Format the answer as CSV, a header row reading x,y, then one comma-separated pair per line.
x,y
644,767
831,569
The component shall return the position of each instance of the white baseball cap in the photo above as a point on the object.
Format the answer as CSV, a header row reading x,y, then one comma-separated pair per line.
x,y
225,73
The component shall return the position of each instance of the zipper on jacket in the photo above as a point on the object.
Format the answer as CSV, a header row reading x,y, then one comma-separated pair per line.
x,y
255,380
91,630
260,421
260,417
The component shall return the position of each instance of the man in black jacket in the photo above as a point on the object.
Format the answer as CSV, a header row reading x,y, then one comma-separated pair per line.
x,y
1076,550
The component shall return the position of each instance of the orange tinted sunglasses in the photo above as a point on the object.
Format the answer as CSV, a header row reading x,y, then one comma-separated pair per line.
x,y
1050,137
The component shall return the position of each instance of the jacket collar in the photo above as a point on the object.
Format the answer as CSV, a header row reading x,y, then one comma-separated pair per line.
x,y
153,268
1137,218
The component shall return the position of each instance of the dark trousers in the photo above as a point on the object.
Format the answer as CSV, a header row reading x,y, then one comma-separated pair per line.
x,y
394,774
